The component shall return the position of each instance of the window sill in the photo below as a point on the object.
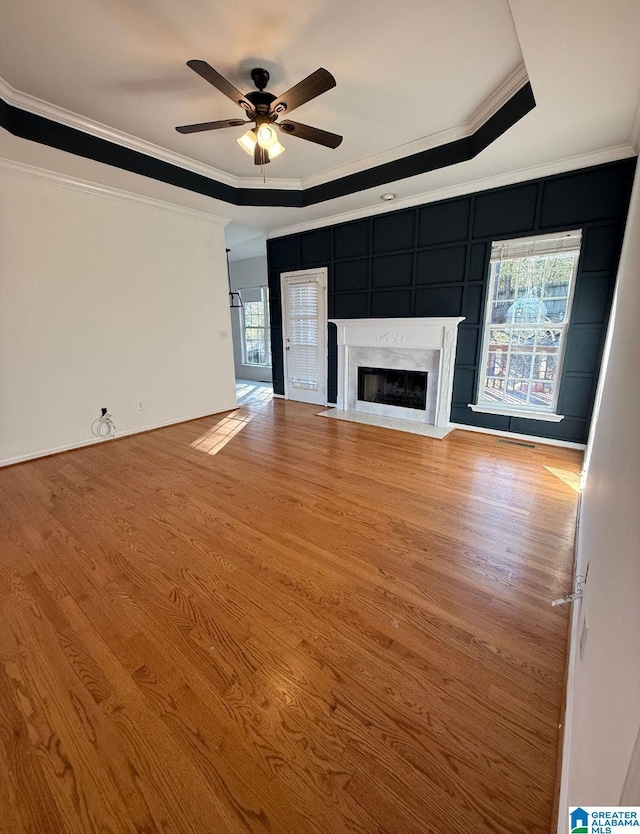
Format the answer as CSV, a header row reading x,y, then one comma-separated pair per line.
x,y
513,412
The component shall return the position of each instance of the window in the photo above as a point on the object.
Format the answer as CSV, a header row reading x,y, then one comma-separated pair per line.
x,y
255,326
530,290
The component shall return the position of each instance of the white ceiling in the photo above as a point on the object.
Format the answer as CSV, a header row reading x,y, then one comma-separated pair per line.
x,y
123,64
405,72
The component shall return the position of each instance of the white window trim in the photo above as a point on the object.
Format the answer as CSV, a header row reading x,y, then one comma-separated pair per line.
x,y
513,411
267,330
549,415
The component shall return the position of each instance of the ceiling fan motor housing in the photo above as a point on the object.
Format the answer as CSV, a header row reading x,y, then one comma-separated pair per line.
x,y
260,77
261,101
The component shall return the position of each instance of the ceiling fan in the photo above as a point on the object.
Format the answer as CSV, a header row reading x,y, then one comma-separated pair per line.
x,y
264,109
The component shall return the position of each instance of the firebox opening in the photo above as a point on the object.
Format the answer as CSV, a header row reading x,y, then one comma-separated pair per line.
x,y
407,389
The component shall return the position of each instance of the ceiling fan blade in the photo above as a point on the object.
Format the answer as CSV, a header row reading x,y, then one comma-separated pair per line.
x,y
220,83
311,134
313,85
260,155
211,125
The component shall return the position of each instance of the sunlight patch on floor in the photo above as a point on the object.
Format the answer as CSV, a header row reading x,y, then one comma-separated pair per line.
x,y
253,392
217,438
571,479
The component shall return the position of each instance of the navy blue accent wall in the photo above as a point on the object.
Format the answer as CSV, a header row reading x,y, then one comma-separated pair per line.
x,y
433,260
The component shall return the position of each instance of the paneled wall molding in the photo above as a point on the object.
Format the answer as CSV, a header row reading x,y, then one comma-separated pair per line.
x,y
431,261
20,169
561,166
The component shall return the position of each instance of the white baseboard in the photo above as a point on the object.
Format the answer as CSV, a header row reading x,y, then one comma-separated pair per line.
x,y
43,453
530,438
320,405
565,727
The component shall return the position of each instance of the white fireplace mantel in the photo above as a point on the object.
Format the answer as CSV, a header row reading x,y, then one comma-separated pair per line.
x,y
401,335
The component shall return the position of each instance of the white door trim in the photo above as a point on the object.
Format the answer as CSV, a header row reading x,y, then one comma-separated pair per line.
x,y
323,271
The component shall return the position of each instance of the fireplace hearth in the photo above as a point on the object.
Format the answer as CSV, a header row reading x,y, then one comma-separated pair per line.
x,y
388,386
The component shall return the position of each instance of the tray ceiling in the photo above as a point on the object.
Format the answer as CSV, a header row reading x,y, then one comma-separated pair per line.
x,y
402,73
404,81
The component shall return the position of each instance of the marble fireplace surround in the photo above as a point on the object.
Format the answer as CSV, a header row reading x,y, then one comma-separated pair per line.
x,y
420,344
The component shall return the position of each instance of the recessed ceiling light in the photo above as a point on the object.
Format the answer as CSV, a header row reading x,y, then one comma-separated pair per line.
x,y
388,196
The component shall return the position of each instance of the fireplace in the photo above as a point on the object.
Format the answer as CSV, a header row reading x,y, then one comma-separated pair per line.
x,y
404,389
396,373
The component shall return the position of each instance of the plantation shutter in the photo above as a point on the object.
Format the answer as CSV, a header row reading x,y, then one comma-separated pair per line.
x,y
506,250
302,360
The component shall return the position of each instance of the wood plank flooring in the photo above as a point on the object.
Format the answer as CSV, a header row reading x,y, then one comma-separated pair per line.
x,y
268,621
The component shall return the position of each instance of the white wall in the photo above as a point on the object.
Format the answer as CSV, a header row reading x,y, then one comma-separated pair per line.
x,y
603,712
252,272
104,301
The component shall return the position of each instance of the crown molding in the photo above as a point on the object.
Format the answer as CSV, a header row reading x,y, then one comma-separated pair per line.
x,y
39,107
20,169
509,87
546,169
487,109
140,159
283,184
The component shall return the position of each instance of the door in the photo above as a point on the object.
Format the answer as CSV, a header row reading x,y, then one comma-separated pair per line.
x,y
304,307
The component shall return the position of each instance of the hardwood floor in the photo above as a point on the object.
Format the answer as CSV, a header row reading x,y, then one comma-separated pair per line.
x,y
273,622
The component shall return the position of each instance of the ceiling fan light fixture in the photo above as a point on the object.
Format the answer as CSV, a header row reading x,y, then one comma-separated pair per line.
x,y
248,142
276,150
267,136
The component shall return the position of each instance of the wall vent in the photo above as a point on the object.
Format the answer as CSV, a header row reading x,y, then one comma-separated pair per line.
x,y
517,443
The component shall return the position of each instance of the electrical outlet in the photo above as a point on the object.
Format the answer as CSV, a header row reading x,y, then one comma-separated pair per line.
x,y
140,405
224,334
